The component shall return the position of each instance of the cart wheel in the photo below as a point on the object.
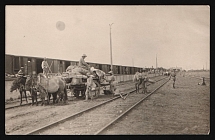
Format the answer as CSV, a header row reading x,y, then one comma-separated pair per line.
x,y
83,94
77,94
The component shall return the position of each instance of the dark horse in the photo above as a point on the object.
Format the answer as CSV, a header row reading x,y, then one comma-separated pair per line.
x,y
19,84
31,86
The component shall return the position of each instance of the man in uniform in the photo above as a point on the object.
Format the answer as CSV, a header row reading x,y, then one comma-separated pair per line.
x,y
45,67
34,76
82,63
112,82
173,76
20,75
90,84
144,76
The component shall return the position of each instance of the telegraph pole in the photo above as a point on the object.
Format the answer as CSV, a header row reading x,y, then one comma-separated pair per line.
x,y
111,49
156,62
156,65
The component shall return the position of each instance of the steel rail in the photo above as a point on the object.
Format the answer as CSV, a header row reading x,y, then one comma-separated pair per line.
x,y
37,131
132,107
26,104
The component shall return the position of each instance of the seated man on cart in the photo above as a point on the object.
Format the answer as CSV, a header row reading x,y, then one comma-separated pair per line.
x,y
82,63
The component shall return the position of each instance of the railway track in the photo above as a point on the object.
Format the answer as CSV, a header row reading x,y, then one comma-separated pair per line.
x,y
8,106
95,111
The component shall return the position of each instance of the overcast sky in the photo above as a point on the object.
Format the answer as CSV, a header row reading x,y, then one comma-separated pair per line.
x,y
179,35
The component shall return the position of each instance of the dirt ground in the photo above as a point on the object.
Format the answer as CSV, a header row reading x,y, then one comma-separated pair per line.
x,y
183,110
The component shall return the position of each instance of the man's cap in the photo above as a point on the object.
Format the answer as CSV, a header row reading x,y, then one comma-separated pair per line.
x,y
84,55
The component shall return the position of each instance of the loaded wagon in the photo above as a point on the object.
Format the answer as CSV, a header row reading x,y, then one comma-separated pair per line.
x,y
77,83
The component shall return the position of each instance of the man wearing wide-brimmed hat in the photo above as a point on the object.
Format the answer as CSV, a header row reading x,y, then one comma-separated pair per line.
x,y
82,63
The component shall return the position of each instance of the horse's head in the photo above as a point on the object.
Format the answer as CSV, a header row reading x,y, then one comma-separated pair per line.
x,y
30,82
14,86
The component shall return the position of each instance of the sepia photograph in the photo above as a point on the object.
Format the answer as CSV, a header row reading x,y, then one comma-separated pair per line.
x,y
107,69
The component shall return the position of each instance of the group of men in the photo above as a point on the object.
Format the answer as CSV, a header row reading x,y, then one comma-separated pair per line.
x,y
141,78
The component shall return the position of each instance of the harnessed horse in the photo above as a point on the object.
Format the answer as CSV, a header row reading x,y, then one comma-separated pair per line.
x,y
31,86
19,84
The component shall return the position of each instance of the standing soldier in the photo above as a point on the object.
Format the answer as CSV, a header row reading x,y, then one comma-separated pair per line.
x,y
82,63
112,82
144,80
90,84
173,75
45,67
34,76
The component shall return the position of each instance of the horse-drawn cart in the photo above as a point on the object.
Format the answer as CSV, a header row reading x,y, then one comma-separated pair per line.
x,y
77,83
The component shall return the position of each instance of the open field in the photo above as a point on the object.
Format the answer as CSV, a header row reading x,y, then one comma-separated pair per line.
x,y
205,74
183,110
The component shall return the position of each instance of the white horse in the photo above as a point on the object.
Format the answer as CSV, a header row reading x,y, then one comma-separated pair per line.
x,y
137,79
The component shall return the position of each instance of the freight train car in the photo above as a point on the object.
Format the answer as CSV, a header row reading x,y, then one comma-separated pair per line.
x,y
30,64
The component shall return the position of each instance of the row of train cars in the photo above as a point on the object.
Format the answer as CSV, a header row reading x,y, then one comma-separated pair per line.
x,y
30,64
